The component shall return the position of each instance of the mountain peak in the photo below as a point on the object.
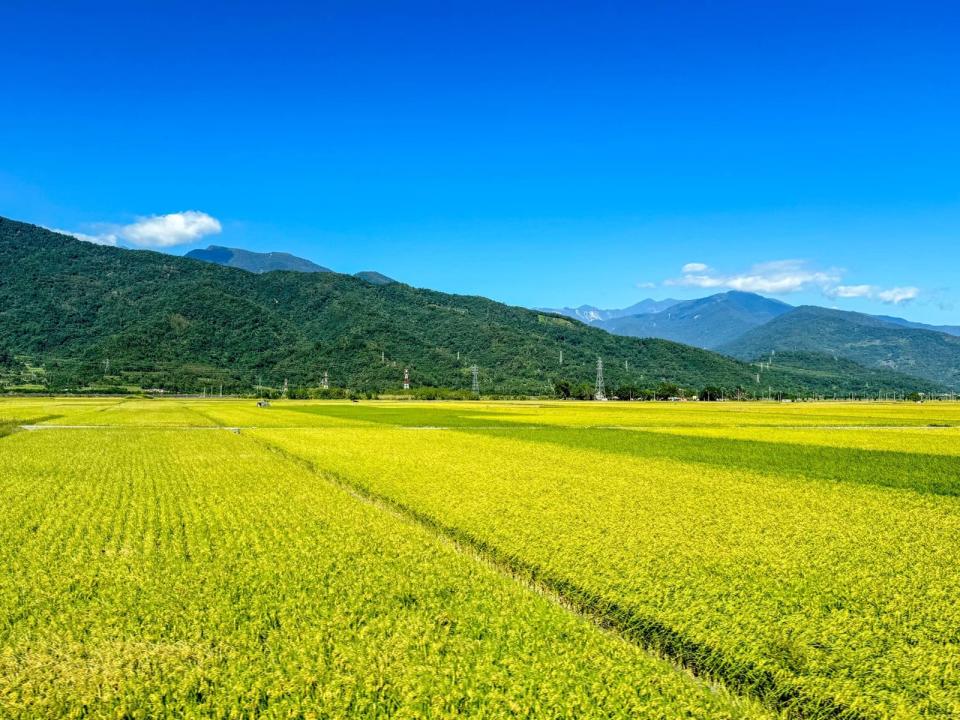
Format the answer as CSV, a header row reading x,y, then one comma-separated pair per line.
x,y
374,278
254,261
705,322
591,314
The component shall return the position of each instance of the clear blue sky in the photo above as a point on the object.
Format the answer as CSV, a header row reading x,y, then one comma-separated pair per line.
x,y
539,154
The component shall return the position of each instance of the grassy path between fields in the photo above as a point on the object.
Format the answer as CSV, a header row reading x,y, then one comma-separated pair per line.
x,y
8,427
887,468
703,661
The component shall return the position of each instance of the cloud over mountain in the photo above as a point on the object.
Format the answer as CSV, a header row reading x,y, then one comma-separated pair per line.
x,y
781,277
776,277
155,231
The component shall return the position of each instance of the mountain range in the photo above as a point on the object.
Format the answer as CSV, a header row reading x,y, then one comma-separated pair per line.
x,y
751,327
707,322
866,339
254,261
592,315
257,262
948,329
89,315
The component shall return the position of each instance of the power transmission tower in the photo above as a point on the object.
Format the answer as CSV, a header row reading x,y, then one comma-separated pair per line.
x,y
286,387
600,394
406,378
325,383
475,371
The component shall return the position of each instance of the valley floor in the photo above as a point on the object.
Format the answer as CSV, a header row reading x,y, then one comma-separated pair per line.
x,y
209,558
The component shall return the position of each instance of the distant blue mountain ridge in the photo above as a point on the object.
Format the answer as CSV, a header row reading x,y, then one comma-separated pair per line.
x,y
750,327
257,262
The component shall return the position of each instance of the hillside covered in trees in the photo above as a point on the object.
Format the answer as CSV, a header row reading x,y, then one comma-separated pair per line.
x,y
867,340
83,315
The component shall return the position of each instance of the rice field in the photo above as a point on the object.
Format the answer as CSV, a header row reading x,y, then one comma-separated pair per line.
x,y
208,558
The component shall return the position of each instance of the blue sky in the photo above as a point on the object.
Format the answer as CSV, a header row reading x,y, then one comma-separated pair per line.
x,y
539,154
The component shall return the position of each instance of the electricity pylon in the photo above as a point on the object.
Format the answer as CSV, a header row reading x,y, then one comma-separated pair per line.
x,y
600,393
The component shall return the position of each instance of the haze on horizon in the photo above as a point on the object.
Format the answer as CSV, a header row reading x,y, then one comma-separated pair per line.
x,y
540,155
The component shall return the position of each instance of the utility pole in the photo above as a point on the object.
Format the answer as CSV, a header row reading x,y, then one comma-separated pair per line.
x,y
600,394
475,371
561,357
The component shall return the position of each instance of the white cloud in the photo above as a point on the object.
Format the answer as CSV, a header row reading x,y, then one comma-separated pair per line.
x,y
786,276
646,285
892,296
169,230
897,295
159,231
776,278
850,291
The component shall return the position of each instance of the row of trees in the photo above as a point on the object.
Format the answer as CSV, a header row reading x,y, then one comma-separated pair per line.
x,y
662,391
89,376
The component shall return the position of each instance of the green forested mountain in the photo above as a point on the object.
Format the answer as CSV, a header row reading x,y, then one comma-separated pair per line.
x,y
91,314
818,368
870,341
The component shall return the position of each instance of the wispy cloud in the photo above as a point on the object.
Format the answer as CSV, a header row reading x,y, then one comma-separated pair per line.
x,y
158,231
781,277
776,277
850,291
898,295
890,296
